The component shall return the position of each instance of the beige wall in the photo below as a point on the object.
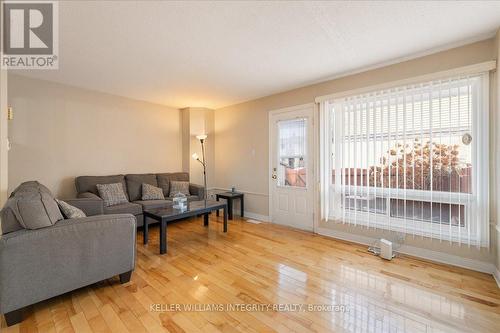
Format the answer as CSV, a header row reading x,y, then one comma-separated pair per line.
x,y
242,130
496,231
4,176
60,132
3,126
3,137
186,139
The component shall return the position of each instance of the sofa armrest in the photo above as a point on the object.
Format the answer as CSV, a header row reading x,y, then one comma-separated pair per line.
x,y
88,195
90,206
197,190
39,264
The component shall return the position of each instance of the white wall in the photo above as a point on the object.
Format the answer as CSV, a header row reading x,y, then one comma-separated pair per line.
x,y
60,132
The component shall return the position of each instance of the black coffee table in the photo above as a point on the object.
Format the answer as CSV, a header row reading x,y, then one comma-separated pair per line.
x,y
169,214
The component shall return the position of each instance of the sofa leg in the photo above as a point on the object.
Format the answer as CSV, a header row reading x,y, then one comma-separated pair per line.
x,y
125,277
14,317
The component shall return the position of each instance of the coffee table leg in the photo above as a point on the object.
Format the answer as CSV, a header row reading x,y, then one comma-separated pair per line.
x,y
205,220
145,228
217,198
230,208
163,237
242,207
225,218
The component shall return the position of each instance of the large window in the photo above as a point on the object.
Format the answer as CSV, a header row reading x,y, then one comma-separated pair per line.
x,y
412,159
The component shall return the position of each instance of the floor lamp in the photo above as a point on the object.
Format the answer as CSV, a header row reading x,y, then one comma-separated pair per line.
x,y
195,156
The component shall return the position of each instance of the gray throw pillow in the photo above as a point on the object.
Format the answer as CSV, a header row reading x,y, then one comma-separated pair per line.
x,y
112,194
71,212
150,192
179,187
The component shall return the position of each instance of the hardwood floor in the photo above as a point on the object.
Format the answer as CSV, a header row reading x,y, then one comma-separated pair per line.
x,y
266,264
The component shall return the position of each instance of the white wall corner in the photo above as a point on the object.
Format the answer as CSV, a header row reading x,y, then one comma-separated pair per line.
x,y
496,276
196,121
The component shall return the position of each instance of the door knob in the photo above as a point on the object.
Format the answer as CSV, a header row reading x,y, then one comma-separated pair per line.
x,y
274,177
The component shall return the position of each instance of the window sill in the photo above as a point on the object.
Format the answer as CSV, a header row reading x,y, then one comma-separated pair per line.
x,y
457,235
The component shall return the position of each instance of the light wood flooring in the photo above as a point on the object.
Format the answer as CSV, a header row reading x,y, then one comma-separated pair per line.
x,y
269,264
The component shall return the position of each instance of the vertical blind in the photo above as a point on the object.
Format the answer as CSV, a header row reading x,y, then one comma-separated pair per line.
x,y
412,159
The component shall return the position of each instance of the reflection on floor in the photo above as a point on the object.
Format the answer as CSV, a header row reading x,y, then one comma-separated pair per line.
x,y
269,264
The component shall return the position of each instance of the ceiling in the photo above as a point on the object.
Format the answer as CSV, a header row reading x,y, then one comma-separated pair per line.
x,y
214,54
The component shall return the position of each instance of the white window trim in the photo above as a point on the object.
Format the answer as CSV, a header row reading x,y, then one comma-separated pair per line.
x,y
475,69
481,197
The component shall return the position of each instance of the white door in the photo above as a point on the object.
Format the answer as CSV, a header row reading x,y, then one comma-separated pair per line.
x,y
291,162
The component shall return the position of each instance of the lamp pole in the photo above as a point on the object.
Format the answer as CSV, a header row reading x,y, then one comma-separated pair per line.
x,y
202,138
204,168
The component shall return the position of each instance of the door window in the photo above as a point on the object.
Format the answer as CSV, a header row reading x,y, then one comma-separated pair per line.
x,y
292,168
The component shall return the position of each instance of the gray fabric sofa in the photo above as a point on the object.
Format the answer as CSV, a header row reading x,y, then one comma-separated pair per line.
x,y
37,264
132,184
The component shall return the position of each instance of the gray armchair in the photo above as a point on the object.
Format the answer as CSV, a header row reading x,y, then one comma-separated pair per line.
x,y
38,264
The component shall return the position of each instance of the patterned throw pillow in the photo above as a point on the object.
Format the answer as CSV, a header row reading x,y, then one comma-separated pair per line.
x,y
112,194
150,192
177,186
71,212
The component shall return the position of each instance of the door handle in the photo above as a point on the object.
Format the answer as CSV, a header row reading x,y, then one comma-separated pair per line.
x,y
274,177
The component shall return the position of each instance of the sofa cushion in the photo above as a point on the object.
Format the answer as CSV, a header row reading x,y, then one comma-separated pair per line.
x,y
112,194
150,192
164,180
134,184
69,211
125,208
150,204
88,183
179,187
30,206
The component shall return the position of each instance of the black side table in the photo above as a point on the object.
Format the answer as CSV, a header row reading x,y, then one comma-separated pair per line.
x,y
230,196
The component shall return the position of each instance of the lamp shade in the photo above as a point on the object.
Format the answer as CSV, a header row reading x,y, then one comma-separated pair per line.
x,y
194,156
201,137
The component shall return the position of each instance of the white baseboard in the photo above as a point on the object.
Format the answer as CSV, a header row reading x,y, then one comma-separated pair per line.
x,y
436,256
496,275
257,217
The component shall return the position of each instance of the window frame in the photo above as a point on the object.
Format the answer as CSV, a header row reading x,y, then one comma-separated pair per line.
x,y
476,234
